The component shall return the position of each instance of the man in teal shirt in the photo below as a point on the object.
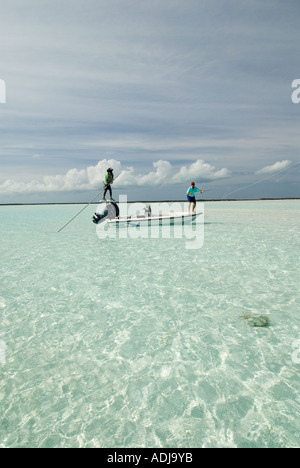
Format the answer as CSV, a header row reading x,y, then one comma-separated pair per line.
x,y
191,196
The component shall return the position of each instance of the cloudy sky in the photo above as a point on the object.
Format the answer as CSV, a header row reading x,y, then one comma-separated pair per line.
x,y
164,91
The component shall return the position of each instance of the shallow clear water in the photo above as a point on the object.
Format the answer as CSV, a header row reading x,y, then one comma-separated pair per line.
x,y
140,342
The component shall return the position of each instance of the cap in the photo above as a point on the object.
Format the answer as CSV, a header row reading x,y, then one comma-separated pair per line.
x,y
193,183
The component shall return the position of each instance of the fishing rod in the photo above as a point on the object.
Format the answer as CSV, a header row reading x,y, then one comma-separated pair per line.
x,y
98,194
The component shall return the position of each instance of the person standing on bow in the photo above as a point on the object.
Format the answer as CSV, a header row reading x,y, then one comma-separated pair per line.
x,y
108,180
191,196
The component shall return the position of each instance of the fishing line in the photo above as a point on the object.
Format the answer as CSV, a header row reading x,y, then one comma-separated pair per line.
x,y
260,181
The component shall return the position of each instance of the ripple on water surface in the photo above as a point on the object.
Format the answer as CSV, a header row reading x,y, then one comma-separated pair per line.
x,y
140,342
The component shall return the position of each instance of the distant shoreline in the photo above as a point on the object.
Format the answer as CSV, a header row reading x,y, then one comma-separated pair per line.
x,y
151,201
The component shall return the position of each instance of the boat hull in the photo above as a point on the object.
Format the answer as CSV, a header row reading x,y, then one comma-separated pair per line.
x,y
162,220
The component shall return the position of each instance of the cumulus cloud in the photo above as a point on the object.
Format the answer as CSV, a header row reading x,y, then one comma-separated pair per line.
x,y
277,167
91,177
74,179
200,170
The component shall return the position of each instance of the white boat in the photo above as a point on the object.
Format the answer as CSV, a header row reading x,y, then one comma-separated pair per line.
x,y
170,219
111,216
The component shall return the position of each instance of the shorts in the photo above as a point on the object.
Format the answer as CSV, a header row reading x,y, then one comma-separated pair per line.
x,y
191,199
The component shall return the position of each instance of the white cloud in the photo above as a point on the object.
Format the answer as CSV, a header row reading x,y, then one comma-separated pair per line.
x,y
200,170
277,167
74,179
91,178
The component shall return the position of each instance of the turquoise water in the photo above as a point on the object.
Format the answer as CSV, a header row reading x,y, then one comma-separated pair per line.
x,y
140,342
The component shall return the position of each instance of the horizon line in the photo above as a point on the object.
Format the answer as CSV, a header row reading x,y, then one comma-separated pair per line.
x,y
151,201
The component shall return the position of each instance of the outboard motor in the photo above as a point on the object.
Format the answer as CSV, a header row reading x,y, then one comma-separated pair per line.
x,y
148,211
111,212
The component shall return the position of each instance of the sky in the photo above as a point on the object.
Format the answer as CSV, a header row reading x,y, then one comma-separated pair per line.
x,y
164,91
